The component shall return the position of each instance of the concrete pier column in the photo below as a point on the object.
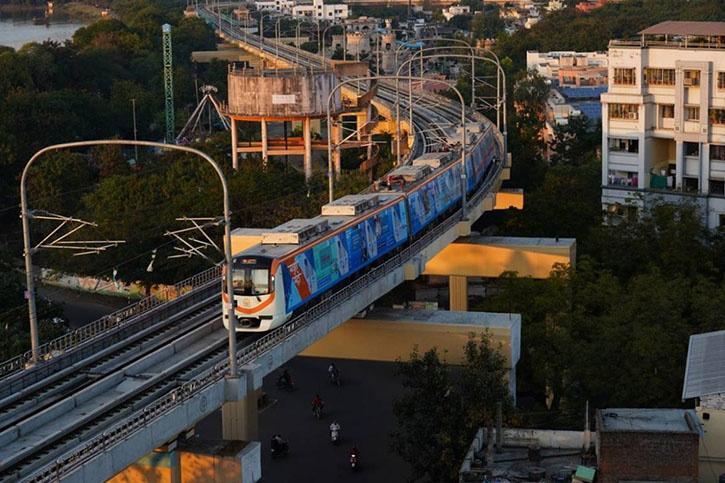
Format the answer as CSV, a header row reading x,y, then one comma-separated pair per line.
x,y
361,119
679,163
458,293
307,134
240,418
336,137
235,145
264,142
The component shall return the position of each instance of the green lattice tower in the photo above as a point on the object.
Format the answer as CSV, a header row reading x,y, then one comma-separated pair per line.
x,y
168,83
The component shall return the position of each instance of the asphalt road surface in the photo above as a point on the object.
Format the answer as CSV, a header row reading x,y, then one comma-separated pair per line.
x,y
81,308
363,407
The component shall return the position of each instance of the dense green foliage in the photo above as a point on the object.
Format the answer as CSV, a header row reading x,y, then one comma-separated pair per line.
x,y
442,408
51,93
639,289
571,30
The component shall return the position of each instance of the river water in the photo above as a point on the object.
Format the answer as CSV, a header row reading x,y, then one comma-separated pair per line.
x,y
18,31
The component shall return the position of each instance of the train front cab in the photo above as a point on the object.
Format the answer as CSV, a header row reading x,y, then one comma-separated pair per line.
x,y
258,294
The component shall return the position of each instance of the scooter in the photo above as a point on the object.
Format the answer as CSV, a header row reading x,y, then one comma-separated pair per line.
x,y
317,411
354,461
335,436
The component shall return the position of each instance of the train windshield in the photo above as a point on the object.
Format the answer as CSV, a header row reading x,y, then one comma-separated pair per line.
x,y
250,276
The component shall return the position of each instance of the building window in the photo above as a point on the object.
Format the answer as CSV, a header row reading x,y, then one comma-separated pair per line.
x,y
625,77
621,145
717,116
667,111
660,77
624,111
690,184
692,113
717,187
717,152
691,149
721,80
692,77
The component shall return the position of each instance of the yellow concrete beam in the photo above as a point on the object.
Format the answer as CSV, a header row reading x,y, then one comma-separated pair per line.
x,y
479,256
388,335
506,199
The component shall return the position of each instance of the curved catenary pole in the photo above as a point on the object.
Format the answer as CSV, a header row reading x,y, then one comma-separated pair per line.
x,y
28,250
301,21
420,53
330,173
501,72
399,68
324,34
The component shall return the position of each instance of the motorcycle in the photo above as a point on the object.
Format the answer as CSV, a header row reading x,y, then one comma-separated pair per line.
x,y
354,463
335,436
335,378
279,449
285,384
317,410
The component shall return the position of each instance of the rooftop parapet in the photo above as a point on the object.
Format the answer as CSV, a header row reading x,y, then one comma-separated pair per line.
x,y
678,35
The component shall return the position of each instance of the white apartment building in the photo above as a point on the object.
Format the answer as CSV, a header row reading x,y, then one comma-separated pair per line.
x,y
547,64
317,9
455,10
281,6
321,11
663,120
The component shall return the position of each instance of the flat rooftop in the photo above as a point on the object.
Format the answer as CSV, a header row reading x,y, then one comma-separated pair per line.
x,y
637,420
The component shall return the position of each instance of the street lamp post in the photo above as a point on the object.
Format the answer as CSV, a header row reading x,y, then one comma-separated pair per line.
x,y
25,215
324,33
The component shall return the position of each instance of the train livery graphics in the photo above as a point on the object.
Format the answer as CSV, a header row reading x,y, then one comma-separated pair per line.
x,y
306,258
330,260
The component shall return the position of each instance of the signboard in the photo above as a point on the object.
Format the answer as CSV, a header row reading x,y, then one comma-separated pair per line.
x,y
284,99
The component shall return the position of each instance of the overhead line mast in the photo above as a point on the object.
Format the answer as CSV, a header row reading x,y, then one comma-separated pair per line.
x,y
168,83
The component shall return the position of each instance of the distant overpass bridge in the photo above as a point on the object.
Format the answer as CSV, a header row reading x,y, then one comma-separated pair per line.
x,y
109,393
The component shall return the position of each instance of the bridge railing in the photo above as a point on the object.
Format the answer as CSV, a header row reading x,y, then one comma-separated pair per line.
x,y
175,398
116,319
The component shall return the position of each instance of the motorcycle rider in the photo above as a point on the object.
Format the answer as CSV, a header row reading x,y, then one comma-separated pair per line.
x,y
335,431
333,372
317,403
278,444
354,457
285,379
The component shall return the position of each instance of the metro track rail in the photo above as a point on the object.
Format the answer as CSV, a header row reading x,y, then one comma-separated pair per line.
x,y
211,337
23,404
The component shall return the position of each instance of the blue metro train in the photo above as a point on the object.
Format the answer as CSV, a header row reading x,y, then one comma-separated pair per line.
x,y
300,260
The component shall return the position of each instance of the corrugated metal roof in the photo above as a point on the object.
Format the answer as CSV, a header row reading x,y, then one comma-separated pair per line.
x,y
588,92
593,110
705,370
672,27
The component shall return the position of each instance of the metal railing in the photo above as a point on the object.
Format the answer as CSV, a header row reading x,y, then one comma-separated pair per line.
x,y
670,44
116,319
139,420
